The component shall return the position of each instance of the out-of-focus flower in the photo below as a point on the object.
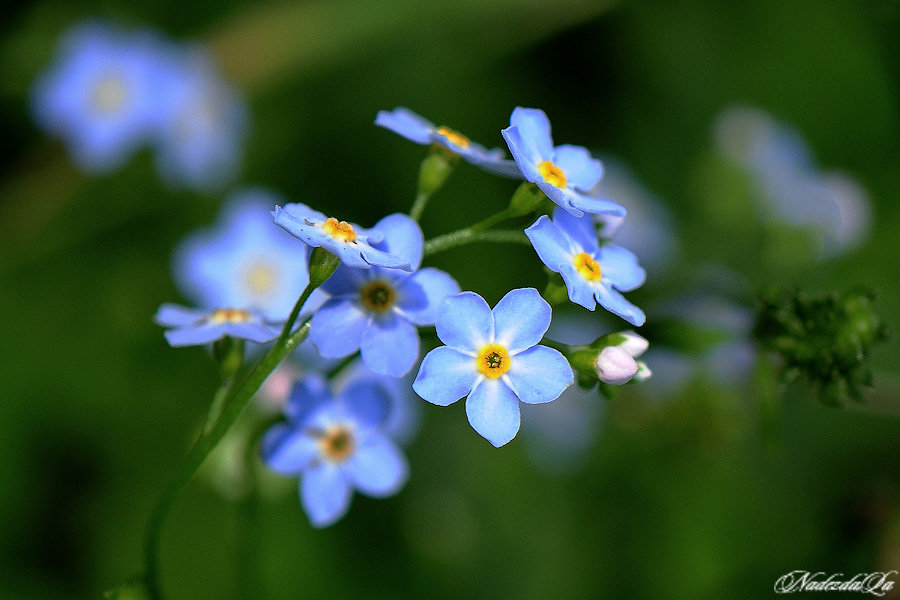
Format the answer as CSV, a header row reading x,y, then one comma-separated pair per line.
x,y
791,187
564,173
351,243
102,96
336,445
413,127
192,327
245,261
592,273
201,136
494,358
376,310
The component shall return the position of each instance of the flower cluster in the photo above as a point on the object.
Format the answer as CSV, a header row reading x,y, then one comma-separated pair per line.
x,y
110,92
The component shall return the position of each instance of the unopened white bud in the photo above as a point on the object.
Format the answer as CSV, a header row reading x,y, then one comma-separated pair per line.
x,y
634,344
644,373
615,366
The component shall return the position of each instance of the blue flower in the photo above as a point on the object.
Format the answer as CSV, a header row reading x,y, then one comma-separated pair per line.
x,y
568,245
564,173
204,122
192,327
244,261
493,357
408,124
101,97
336,445
376,310
347,241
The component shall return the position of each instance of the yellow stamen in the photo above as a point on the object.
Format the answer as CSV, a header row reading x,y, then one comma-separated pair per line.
x,y
341,231
587,267
457,139
229,315
109,94
378,296
552,174
493,361
337,443
260,278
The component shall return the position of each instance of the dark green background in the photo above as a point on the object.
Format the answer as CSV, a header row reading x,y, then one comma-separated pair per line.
x,y
683,497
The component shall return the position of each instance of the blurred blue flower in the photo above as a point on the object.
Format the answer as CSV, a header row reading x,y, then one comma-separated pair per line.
x,y
192,327
408,124
204,123
349,242
336,445
102,96
494,358
245,261
564,173
376,310
592,273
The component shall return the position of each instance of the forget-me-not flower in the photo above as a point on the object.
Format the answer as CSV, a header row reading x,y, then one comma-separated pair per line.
x,y
592,273
203,126
493,357
244,261
336,445
193,327
349,242
415,128
102,95
564,173
376,310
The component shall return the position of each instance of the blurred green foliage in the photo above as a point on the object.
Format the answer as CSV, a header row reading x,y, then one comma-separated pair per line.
x,y
682,497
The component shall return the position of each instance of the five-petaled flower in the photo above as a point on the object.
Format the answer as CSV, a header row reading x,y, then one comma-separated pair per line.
x,y
592,273
564,173
415,128
336,445
349,242
376,310
192,327
494,358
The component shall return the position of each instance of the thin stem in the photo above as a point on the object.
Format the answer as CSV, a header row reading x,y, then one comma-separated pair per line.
x,y
215,408
295,312
475,233
418,207
235,403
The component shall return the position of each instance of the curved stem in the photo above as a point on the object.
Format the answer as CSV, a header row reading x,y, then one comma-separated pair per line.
x,y
295,312
418,207
475,233
234,404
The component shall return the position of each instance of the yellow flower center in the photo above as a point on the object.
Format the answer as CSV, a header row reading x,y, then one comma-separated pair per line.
x,y
229,315
587,267
337,443
378,296
457,139
341,231
552,174
109,94
260,278
493,361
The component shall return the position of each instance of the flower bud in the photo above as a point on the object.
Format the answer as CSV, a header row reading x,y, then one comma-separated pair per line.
x,y
615,366
644,373
633,344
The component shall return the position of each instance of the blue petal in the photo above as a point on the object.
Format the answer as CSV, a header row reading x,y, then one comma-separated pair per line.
x,y
420,295
299,212
491,163
534,127
307,395
287,449
539,375
580,291
253,331
615,303
521,319
377,468
368,400
493,411
373,257
551,244
580,229
595,206
465,322
194,335
525,155
620,268
296,219
390,345
402,238
346,281
337,328
405,122
325,494
582,170
445,376
173,315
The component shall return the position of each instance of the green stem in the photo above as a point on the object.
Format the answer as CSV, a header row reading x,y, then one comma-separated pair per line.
x,y
215,408
339,368
475,233
295,312
419,205
234,404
